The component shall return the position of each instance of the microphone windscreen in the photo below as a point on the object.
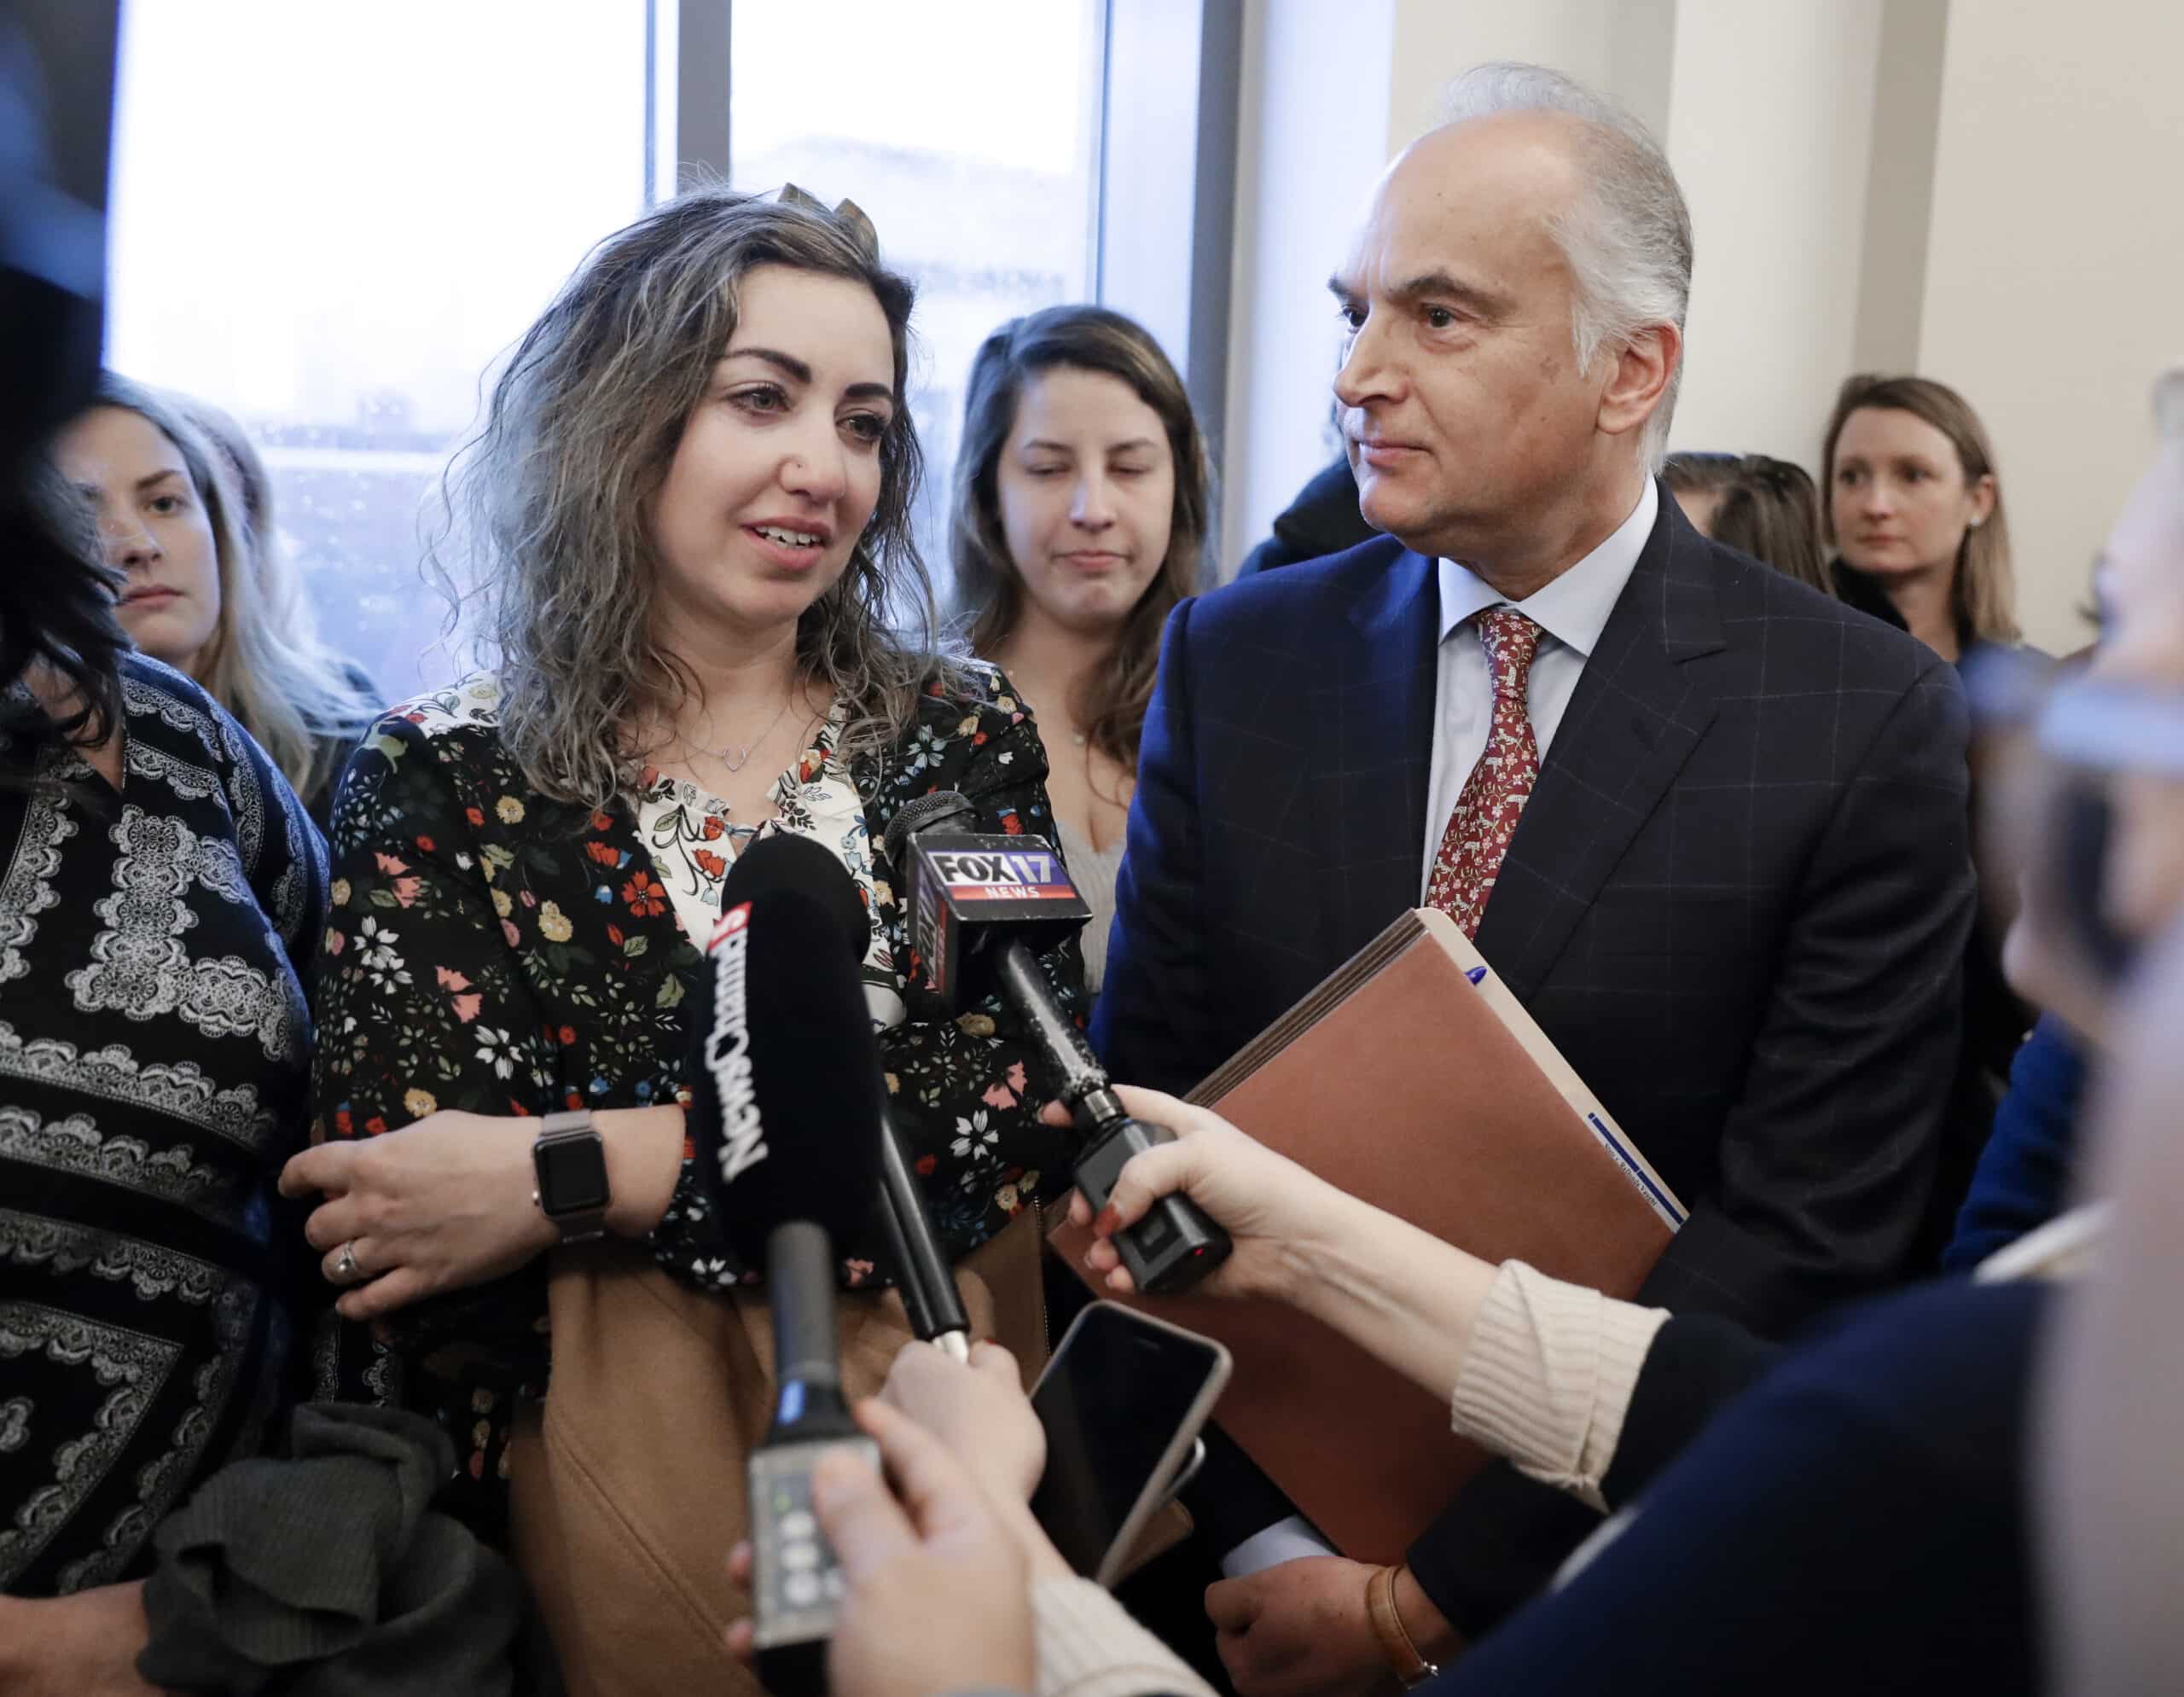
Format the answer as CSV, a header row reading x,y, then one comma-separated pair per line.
x,y
785,1065
786,861
942,807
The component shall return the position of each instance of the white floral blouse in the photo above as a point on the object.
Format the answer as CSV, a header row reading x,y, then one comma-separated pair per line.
x,y
693,842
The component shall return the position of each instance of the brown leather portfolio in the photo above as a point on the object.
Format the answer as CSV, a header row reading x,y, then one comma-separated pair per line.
x,y
1414,1079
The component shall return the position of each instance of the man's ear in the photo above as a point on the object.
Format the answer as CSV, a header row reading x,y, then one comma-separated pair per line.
x,y
1636,387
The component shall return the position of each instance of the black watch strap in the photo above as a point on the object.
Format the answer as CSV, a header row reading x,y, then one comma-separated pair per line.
x,y
569,1162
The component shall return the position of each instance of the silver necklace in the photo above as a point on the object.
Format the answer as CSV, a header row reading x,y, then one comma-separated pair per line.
x,y
736,758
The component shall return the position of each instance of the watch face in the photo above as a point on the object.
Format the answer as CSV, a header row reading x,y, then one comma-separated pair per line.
x,y
571,1175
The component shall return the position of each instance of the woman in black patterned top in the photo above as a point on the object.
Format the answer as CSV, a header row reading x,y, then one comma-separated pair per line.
x,y
690,510
160,889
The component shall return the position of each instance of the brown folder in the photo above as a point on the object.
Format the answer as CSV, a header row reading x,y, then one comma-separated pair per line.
x,y
1414,1079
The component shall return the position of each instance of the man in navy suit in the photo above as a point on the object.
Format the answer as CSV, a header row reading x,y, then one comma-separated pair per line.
x,y
1708,824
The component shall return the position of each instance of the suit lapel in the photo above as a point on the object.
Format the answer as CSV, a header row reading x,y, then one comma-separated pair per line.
x,y
1376,750
1631,724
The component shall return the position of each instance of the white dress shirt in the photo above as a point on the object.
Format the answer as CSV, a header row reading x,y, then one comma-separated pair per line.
x,y
1571,611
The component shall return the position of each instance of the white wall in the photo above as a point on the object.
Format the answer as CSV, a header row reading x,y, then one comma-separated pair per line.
x,y
1770,129
2054,285
1312,141
1434,39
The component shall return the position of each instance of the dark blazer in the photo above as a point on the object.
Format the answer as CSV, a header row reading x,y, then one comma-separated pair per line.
x,y
1996,1018
1855,1522
1737,900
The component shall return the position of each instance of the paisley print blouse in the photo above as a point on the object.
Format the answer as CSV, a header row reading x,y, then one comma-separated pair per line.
x,y
153,1048
492,950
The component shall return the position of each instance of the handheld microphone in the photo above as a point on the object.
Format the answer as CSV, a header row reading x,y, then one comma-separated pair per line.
x,y
921,1272
981,906
789,1064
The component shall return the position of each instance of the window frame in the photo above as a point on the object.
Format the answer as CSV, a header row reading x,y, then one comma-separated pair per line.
x,y
687,141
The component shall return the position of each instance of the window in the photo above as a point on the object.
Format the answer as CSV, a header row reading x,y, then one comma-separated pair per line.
x,y
330,220
333,221
968,131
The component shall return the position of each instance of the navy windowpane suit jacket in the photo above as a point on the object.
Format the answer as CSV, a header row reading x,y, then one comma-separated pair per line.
x,y
1737,899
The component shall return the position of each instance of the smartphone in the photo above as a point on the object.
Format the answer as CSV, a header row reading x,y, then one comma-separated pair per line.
x,y
1122,1402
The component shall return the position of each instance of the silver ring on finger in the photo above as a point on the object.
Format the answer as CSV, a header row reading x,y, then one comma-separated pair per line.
x,y
345,1269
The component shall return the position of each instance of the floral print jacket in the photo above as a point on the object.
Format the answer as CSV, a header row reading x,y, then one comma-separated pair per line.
x,y
492,950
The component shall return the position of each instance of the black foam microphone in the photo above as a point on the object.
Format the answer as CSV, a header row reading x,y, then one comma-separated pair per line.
x,y
921,1272
789,1064
981,908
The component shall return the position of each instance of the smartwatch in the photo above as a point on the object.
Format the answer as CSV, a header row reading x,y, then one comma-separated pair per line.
x,y
569,1161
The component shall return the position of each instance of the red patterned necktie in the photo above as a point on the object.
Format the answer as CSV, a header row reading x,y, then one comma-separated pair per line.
x,y
1485,815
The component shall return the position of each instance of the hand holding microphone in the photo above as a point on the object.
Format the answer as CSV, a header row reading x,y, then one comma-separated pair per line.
x,y
787,1094
937,1595
1390,1289
980,906
978,1410
1279,1215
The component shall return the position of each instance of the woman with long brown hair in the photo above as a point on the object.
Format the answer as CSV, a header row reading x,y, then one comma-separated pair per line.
x,y
1914,512
1081,513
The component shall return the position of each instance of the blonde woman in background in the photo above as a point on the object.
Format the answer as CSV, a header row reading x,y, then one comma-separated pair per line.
x,y
206,590
1914,512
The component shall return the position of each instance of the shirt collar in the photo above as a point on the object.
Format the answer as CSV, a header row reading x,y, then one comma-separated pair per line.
x,y
1574,609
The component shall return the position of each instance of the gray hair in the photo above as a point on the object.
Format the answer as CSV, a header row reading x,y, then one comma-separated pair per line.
x,y
1626,238
545,510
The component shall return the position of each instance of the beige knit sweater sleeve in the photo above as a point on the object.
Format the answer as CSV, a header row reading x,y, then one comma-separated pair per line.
x,y
1089,1647
1547,1379
1549,1375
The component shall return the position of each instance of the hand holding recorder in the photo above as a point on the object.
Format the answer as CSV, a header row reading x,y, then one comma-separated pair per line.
x,y
937,1583
788,1070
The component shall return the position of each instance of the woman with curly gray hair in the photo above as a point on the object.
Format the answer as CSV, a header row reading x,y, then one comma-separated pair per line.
x,y
688,517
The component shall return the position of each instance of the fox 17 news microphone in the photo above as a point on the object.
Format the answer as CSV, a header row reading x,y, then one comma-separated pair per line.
x,y
981,906
789,1064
